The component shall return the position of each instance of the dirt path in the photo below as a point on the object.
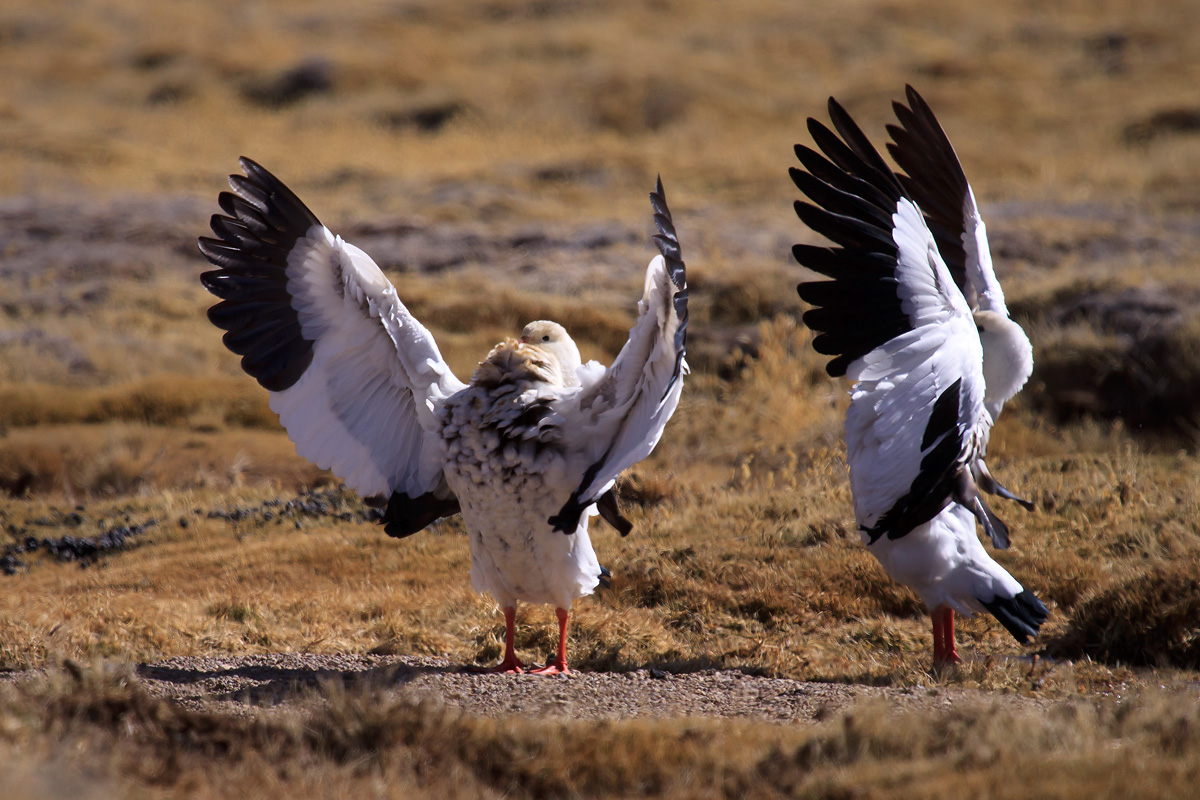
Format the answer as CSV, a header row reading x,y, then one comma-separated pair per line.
x,y
244,685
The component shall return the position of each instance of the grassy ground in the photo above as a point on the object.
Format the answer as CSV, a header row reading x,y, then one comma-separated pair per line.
x,y
495,158
362,743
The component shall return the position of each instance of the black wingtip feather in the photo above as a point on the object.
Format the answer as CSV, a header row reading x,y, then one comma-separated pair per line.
x,y
262,223
854,198
406,515
851,232
667,241
860,144
838,201
934,177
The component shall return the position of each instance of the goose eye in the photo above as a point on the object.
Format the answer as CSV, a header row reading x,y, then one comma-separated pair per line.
x,y
546,338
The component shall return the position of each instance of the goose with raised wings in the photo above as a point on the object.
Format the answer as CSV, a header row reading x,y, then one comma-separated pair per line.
x,y
913,315
526,451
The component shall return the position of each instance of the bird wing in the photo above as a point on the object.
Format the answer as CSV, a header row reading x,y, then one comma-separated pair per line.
x,y
618,415
896,324
936,182
355,379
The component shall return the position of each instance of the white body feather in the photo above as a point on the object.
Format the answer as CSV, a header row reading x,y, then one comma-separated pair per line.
x,y
513,466
504,460
895,385
945,563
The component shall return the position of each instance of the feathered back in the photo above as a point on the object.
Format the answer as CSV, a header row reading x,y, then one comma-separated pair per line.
x,y
513,361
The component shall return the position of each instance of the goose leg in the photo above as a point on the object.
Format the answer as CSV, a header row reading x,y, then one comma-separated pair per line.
x,y
557,666
945,651
511,663
948,639
992,486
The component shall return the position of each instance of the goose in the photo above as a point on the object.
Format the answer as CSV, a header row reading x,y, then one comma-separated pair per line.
x,y
526,451
915,318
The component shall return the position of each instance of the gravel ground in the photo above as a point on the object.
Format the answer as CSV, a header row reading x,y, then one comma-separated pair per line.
x,y
248,684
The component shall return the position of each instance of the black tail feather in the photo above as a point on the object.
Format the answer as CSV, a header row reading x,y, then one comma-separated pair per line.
x,y
1022,615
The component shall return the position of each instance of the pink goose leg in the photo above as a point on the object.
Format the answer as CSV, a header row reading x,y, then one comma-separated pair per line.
x,y
559,665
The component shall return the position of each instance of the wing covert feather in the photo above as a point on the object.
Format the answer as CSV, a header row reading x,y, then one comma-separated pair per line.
x,y
621,414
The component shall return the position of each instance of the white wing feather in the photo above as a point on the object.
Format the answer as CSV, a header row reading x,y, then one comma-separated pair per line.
x,y
897,383
365,407
621,414
981,277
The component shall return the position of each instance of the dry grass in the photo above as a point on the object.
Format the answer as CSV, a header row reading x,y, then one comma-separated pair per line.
x,y
710,94
495,158
81,461
341,742
174,401
1151,618
744,554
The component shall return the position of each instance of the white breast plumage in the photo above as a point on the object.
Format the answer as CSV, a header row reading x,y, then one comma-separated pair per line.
x,y
504,462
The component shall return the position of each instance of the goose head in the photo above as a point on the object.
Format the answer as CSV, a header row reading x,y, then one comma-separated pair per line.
x,y
553,339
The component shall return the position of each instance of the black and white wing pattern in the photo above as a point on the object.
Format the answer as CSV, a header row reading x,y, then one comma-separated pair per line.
x,y
355,379
936,182
938,185
621,413
897,325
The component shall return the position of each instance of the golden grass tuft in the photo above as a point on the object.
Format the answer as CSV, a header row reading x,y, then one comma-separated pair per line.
x,y
80,461
997,752
167,400
509,312
1150,618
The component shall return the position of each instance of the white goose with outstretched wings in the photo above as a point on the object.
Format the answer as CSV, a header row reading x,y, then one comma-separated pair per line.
x,y
527,450
915,318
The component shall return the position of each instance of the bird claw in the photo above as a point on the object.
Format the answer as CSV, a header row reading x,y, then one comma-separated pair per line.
x,y
506,667
947,660
502,669
551,668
